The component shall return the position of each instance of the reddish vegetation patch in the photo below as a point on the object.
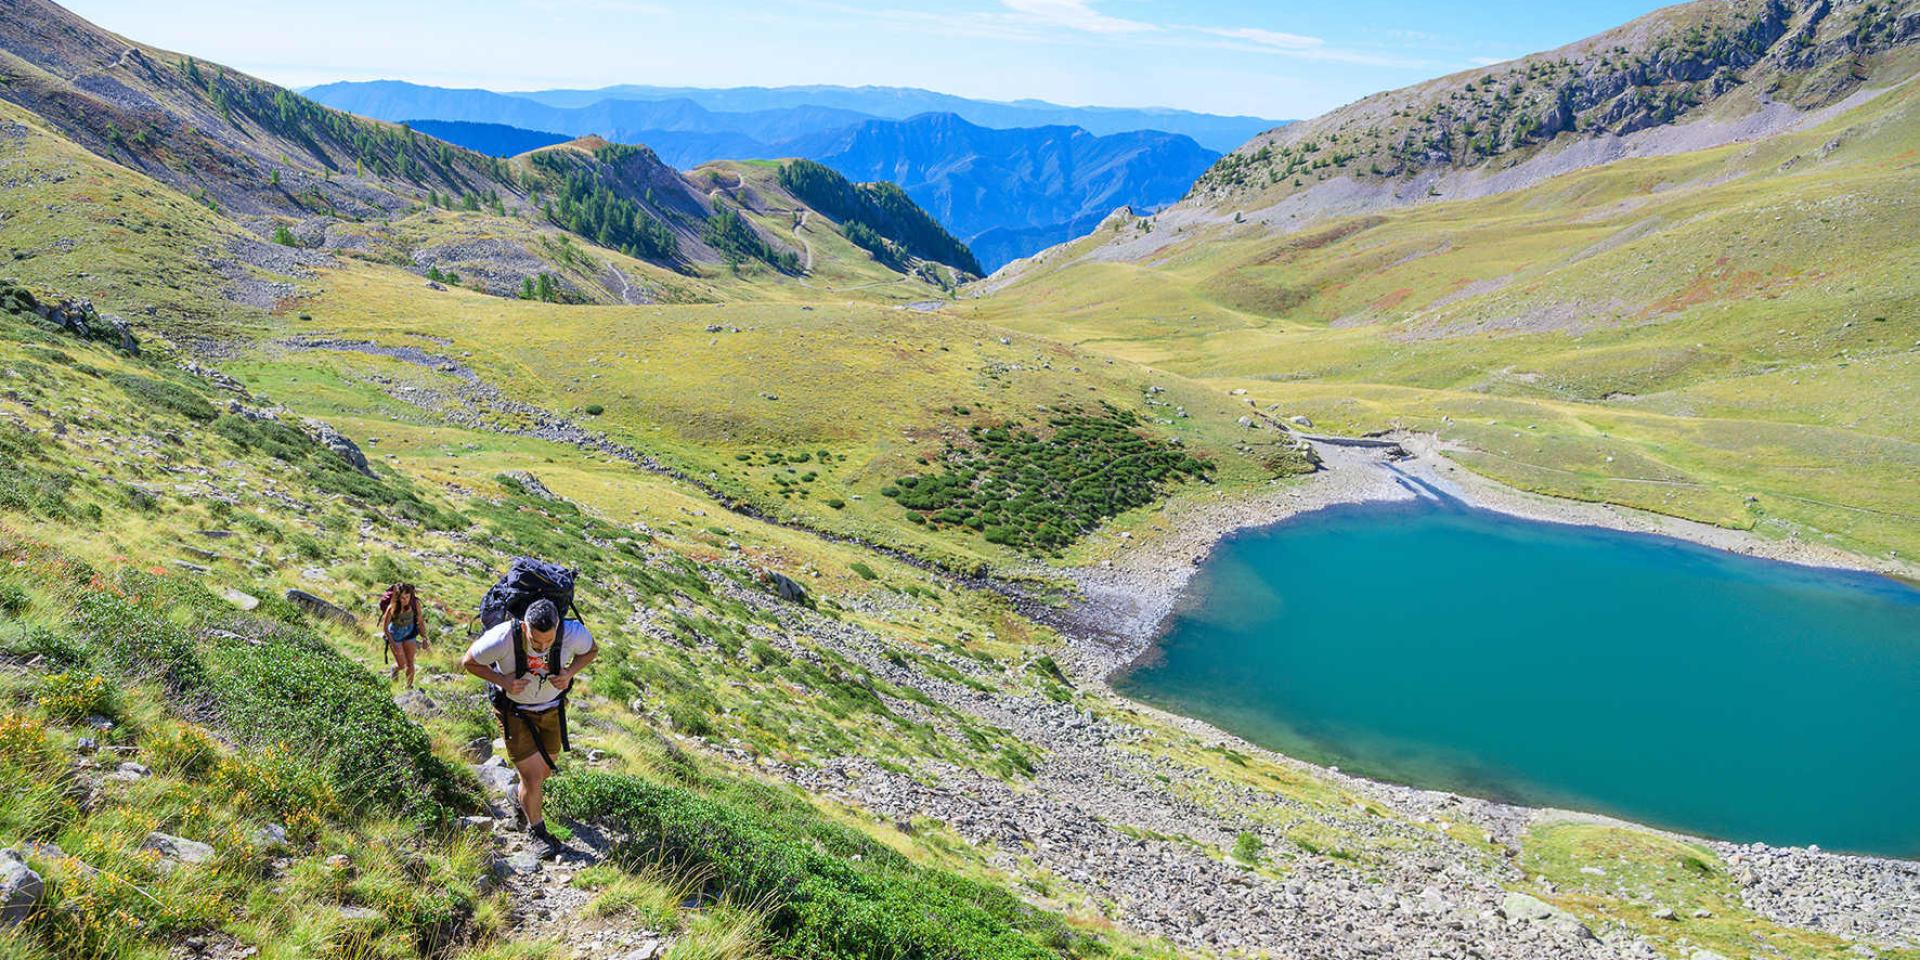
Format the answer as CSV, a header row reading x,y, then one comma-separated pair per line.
x,y
1712,286
1319,239
1393,299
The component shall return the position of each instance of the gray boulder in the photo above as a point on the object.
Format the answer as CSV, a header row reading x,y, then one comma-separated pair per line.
x,y
324,434
270,837
416,704
788,589
20,889
174,850
497,775
532,485
321,609
1525,909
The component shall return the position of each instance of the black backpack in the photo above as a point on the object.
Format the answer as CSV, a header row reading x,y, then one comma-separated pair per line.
x,y
528,580
507,600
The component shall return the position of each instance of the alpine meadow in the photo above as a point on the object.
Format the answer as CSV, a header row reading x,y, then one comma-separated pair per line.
x,y
469,497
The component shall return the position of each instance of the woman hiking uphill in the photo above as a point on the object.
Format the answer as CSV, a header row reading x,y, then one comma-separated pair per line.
x,y
403,627
530,662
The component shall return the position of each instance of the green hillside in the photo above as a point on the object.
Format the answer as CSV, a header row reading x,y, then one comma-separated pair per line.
x,y
1728,335
283,393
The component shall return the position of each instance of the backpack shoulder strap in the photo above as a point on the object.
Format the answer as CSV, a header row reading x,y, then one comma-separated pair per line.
x,y
519,647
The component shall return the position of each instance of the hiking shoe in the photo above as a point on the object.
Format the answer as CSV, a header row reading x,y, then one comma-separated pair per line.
x,y
550,846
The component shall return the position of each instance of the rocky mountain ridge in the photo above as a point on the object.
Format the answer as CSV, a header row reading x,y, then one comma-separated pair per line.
x,y
1717,60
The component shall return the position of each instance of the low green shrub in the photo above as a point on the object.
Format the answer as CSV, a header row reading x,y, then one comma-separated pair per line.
x,y
1247,848
162,395
832,893
268,682
188,751
14,600
29,640
329,472
284,783
1040,492
74,695
27,489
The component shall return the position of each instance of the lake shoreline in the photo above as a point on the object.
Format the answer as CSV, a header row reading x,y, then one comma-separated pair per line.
x,y
1129,599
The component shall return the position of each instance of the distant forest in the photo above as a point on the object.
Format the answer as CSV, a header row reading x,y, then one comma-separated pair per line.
x,y
872,214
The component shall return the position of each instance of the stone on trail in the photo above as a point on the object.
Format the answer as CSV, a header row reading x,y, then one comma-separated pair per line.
x,y
1526,909
478,749
524,863
270,837
416,704
497,775
177,849
20,889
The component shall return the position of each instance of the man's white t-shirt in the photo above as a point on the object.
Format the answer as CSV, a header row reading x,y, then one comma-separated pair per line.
x,y
494,650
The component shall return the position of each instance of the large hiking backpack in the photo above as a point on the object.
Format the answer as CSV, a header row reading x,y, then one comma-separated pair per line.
x,y
528,580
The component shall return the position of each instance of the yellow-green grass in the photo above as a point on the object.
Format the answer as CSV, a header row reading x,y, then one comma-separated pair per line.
x,y
1727,323
875,388
792,719
79,226
1619,875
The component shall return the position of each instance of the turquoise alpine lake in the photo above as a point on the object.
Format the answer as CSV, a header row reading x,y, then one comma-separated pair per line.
x,y
1545,664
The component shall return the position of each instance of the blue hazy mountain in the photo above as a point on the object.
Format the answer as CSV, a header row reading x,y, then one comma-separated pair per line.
x,y
495,139
1011,190
1213,131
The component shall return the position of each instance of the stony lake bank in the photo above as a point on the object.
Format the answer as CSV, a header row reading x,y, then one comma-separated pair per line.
x,y
1095,779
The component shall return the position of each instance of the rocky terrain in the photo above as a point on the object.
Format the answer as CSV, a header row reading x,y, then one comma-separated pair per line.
x,y
1141,834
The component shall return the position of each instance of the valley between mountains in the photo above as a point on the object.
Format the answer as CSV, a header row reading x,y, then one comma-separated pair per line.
x,y
864,534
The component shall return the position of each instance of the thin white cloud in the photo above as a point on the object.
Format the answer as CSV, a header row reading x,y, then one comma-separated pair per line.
x,y
1076,15
1267,38
1488,61
1300,47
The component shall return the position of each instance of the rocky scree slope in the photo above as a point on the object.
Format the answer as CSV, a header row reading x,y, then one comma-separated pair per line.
x,y
231,140
1705,66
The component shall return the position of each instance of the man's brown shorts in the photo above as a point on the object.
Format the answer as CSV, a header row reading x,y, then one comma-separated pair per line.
x,y
546,726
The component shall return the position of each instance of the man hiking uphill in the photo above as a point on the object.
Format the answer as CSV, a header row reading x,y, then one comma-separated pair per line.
x,y
531,661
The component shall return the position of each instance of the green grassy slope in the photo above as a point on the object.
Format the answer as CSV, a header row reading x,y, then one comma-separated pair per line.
x,y
135,507
273,717
1728,335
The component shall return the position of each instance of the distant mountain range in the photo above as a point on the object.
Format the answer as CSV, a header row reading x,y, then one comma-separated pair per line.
x,y
493,139
823,105
1018,189
1008,178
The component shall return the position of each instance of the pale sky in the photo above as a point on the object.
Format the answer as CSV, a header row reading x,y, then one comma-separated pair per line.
x,y
1280,60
